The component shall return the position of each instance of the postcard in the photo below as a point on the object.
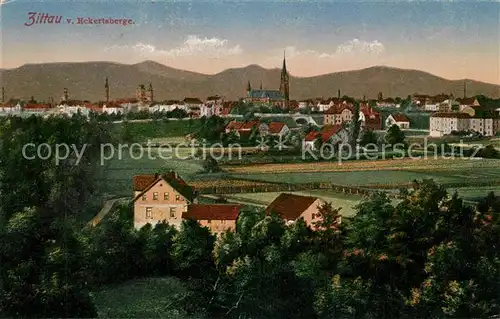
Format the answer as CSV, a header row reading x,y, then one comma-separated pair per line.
x,y
249,159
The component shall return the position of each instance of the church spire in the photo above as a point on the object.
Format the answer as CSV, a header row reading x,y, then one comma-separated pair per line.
x,y
283,70
249,87
284,85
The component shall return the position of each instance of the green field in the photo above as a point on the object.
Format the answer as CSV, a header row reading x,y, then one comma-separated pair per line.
x,y
141,298
360,178
121,169
159,129
475,193
343,201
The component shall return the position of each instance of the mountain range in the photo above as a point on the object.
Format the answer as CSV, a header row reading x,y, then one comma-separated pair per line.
x,y
85,81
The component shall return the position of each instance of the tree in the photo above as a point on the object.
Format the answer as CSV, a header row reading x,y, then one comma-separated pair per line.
x,y
210,165
394,135
126,133
41,269
369,137
355,126
489,152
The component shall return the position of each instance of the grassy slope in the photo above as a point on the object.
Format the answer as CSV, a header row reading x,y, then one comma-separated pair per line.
x,y
141,298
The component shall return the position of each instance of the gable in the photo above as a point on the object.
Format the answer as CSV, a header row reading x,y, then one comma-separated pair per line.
x,y
174,182
290,206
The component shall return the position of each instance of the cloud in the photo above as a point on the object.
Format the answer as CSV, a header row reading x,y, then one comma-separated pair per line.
x,y
352,46
192,46
356,45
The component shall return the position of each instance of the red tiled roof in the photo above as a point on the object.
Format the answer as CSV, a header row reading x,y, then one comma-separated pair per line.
x,y
338,108
326,133
312,136
276,127
451,115
233,125
37,106
249,125
212,212
290,206
329,131
400,118
141,182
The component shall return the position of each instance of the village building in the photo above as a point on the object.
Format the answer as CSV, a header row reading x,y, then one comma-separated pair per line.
x,y
160,198
444,123
334,135
143,94
338,114
219,218
168,198
398,119
293,207
279,129
370,119
193,106
279,97
245,128
212,106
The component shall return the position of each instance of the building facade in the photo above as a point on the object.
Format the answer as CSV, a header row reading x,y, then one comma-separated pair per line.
x,y
445,123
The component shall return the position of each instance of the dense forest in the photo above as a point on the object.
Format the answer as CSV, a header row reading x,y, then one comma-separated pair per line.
x,y
430,256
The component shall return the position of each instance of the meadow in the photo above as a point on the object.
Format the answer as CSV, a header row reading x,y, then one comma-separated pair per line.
x,y
423,164
141,298
121,169
160,128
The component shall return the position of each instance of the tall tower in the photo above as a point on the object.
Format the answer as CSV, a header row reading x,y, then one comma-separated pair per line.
x,y
3,95
65,94
141,92
465,89
260,85
106,89
285,85
249,89
150,93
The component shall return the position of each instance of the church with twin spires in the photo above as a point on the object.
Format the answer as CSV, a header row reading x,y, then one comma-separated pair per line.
x,y
279,97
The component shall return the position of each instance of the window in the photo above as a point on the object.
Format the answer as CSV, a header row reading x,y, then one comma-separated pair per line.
x,y
172,212
144,197
209,221
165,196
149,212
223,221
177,198
155,196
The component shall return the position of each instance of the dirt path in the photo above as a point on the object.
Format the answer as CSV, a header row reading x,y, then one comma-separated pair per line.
x,y
106,208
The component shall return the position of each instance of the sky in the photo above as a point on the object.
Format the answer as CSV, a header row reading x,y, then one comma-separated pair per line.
x,y
451,39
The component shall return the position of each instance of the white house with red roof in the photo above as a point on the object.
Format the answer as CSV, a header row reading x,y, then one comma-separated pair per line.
x,y
398,119
213,106
278,129
11,107
333,135
244,128
168,198
193,106
38,109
